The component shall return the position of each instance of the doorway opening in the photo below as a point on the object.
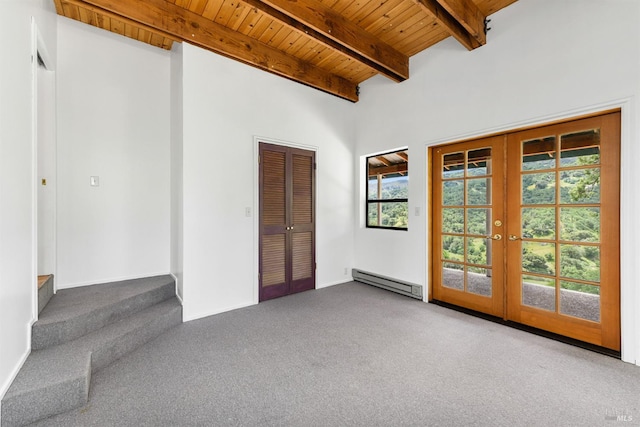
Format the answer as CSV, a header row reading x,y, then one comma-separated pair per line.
x,y
45,172
526,227
287,220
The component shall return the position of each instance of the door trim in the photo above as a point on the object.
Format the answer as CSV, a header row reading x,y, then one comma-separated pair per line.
x,y
255,210
629,233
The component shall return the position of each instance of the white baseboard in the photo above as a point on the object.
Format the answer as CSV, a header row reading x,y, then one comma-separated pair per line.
x,y
14,373
177,293
191,317
336,282
109,280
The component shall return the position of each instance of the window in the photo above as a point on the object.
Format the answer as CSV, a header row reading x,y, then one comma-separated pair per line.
x,y
388,190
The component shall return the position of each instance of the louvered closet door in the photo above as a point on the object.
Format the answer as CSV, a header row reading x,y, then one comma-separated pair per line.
x,y
287,221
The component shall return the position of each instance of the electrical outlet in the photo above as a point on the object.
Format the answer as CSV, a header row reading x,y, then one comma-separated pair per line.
x,y
346,270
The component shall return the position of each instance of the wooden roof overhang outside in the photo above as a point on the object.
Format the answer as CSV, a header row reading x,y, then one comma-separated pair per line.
x,y
396,163
331,45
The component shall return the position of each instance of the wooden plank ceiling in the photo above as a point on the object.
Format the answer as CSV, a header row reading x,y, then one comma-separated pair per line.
x,y
331,45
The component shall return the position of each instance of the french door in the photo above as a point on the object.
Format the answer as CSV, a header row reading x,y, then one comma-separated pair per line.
x,y
287,221
522,230
469,225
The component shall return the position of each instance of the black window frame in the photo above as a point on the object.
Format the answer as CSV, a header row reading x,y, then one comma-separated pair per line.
x,y
378,201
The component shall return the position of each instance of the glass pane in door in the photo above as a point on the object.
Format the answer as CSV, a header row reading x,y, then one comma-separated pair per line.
x,y
466,221
580,300
539,292
539,154
479,280
580,148
560,224
453,275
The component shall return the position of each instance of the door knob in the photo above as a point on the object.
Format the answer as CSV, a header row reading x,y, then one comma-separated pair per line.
x,y
497,237
513,237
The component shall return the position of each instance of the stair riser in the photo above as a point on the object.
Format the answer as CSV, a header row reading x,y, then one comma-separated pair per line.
x,y
126,344
44,336
31,407
45,293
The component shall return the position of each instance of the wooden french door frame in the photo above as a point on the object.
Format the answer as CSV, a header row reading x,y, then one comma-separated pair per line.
x,y
286,220
604,331
485,271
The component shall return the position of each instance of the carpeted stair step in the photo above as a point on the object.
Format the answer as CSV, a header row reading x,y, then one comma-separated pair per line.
x,y
56,379
75,312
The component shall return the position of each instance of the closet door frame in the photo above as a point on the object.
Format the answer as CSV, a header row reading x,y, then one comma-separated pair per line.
x,y
291,148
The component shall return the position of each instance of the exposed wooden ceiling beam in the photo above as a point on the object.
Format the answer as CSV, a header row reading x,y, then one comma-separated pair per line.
x,y
468,39
193,28
112,15
335,31
468,15
404,156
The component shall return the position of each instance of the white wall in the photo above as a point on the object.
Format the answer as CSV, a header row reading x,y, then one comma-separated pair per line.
x,y
544,60
113,122
226,104
18,252
177,224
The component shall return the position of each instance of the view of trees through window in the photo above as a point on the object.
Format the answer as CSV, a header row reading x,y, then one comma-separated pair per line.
x,y
388,190
577,224
578,210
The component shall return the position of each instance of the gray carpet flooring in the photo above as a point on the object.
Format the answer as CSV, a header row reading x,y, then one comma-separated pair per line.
x,y
355,355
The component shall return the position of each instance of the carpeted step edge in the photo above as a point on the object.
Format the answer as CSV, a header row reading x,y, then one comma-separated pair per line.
x,y
170,315
23,407
51,334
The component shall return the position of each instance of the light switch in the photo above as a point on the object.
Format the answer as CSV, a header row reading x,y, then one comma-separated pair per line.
x,y
95,181
417,211
247,212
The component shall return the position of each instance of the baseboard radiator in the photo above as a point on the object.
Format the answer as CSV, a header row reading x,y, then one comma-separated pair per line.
x,y
405,288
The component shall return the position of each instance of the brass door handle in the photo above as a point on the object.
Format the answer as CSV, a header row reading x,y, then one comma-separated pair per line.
x,y
497,237
513,237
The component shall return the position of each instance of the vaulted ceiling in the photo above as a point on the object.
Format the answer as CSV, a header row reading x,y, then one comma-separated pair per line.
x,y
331,45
